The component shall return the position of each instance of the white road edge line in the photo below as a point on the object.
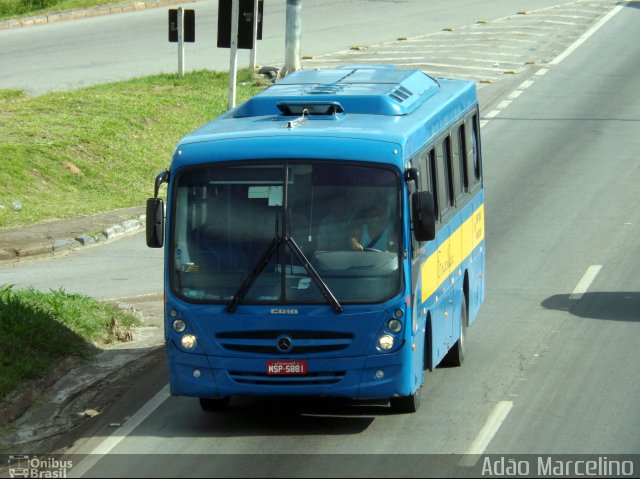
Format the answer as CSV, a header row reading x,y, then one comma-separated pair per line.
x,y
80,469
568,51
587,34
486,434
586,281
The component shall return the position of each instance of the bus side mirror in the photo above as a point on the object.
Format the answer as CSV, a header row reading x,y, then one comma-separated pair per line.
x,y
423,213
155,223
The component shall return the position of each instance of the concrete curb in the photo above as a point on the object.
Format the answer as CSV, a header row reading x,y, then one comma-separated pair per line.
x,y
48,246
87,13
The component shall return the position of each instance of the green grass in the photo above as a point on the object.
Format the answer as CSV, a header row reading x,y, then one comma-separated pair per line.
x,y
38,330
118,135
17,8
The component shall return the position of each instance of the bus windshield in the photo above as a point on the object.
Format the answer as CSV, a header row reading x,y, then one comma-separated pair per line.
x,y
266,229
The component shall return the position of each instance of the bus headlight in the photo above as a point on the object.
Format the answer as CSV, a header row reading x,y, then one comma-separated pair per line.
x,y
188,341
179,325
385,342
394,325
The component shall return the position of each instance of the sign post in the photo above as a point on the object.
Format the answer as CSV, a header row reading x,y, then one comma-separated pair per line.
x,y
181,29
239,27
233,65
254,36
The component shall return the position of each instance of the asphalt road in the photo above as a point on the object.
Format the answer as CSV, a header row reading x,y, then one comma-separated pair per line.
x,y
71,54
552,360
122,268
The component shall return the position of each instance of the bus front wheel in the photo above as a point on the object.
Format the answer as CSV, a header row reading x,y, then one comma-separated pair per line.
x,y
406,404
215,404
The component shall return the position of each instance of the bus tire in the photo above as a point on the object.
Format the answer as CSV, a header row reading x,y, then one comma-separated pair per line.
x,y
406,404
215,404
455,356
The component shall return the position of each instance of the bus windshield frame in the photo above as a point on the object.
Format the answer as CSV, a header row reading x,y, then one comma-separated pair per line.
x,y
286,232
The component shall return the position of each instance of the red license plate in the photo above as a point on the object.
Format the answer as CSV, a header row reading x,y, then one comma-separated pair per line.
x,y
286,368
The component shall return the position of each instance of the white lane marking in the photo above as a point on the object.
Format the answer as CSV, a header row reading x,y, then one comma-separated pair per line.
x,y
514,94
586,281
504,104
558,22
486,434
588,34
81,469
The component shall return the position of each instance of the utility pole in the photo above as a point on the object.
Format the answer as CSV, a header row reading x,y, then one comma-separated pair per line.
x,y
292,38
180,42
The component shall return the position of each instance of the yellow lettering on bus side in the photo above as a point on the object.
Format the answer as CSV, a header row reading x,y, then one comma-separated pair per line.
x,y
449,256
429,273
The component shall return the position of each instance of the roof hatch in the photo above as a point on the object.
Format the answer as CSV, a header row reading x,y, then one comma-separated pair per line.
x,y
367,89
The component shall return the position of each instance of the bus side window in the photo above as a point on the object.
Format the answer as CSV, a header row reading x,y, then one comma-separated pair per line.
x,y
475,149
445,191
441,193
460,151
423,167
428,175
432,179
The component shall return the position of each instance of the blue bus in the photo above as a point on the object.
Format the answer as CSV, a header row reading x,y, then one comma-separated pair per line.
x,y
325,238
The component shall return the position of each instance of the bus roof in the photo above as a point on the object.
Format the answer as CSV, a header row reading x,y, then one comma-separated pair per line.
x,y
371,102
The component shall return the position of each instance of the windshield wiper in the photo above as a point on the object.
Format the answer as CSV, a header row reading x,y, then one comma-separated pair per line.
x,y
253,275
326,292
264,261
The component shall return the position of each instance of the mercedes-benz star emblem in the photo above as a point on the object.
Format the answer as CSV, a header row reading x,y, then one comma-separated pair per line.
x,y
284,344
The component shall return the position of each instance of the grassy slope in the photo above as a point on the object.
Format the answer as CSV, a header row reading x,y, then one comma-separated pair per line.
x,y
118,135
38,330
19,8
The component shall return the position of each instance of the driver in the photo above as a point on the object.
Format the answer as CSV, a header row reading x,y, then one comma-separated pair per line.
x,y
374,233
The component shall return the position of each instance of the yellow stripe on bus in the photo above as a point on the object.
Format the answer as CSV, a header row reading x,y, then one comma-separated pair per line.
x,y
440,265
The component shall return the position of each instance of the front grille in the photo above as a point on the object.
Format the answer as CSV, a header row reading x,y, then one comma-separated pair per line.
x,y
309,379
303,342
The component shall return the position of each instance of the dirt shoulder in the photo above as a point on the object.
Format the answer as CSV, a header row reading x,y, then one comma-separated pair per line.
x,y
49,414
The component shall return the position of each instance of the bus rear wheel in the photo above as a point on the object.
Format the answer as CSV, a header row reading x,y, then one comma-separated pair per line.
x,y
406,404
215,404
